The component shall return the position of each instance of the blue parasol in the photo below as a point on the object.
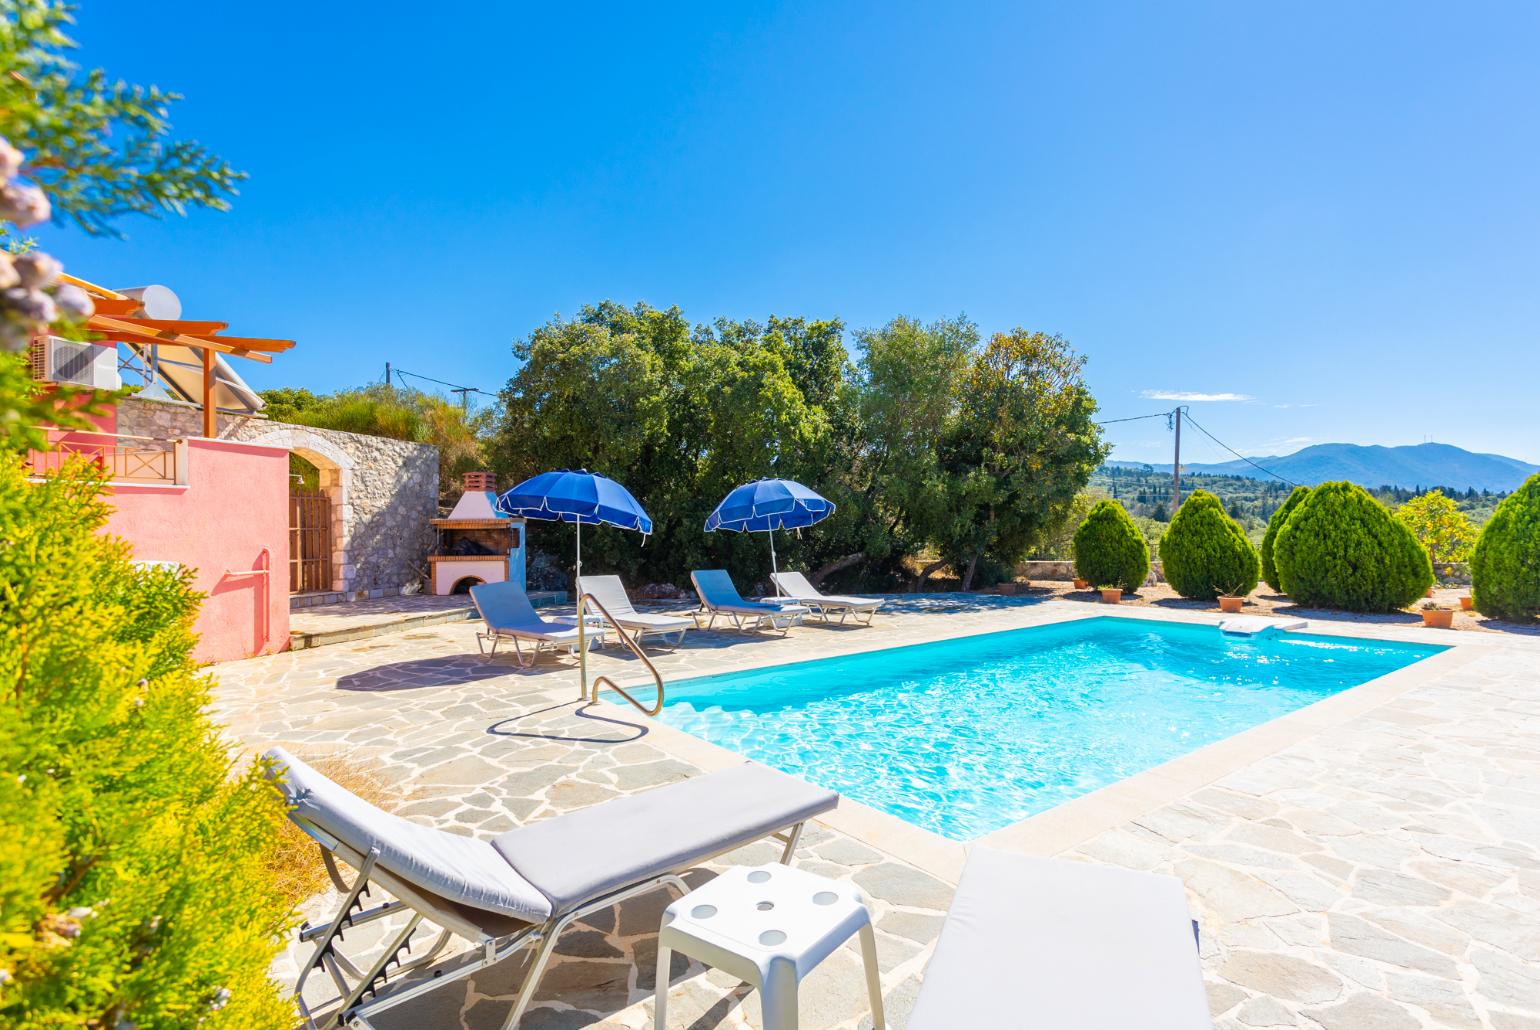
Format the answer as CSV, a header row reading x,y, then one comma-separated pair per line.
x,y
766,505
584,498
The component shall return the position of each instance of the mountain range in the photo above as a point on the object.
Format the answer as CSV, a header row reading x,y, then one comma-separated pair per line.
x,y
1416,465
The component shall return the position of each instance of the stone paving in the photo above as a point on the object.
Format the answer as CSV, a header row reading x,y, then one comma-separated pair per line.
x,y
1382,872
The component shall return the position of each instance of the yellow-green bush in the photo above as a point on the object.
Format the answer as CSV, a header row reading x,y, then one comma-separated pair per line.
x,y
1505,567
1342,549
1109,549
1205,554
132,884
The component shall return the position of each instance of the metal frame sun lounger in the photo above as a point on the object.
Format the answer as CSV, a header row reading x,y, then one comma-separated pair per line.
x,y
611,593
522,888
796,588
1086,946
719,596
508,615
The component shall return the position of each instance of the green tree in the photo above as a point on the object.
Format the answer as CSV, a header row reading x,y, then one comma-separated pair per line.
x,y
1109,549
1439,525
1343,549
133,881
1023,444
1505,566
1205,553
1270,538
908,384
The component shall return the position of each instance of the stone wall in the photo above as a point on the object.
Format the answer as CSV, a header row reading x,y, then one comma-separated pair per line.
x,y
383,492
1065,570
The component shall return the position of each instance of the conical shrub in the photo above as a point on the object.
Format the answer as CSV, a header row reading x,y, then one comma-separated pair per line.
x,y
1109,549
1505,567
1204,553
1343,549
1270,538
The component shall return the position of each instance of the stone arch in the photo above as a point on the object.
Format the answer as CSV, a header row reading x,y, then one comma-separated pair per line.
x,y
335,468
464,583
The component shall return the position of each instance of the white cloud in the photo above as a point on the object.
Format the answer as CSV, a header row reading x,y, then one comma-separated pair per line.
x,y
1285,446
1182,395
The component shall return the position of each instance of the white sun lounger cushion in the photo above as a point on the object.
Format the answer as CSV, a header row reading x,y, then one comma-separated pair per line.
x,y
452,866
1057,943
588,853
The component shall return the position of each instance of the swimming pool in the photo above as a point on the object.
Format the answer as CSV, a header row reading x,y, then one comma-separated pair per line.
x,y
968,735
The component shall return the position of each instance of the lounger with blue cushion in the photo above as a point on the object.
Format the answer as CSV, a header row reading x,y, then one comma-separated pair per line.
x,y
1047,942
718,596
522,888
508,615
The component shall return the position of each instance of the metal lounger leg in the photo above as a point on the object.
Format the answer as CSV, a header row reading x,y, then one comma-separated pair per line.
x,y
333,930
793,836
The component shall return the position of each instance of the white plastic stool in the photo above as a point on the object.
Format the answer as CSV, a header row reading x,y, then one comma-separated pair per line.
x,y
769,926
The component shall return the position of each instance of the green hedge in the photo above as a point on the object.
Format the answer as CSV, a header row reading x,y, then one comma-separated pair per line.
x,y
133,881
1343,549
1205,554
1270,538
1505,568
1109,549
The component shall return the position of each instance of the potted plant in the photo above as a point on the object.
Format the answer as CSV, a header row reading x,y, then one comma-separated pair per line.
x,y
1467,603
1231,599
1112,595
1436,616
1081,584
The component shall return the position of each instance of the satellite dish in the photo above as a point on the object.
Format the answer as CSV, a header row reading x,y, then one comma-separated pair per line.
x,y
156,301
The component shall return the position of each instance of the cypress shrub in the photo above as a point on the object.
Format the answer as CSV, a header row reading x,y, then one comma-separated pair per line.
x,y
133,890
1505,568
1109,549
1342,549
1205,554
1270,538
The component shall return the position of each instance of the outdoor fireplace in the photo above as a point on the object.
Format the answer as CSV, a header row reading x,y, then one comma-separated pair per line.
x,y
476,543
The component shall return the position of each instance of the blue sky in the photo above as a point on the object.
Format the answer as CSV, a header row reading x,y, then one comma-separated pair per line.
x,y
1330,211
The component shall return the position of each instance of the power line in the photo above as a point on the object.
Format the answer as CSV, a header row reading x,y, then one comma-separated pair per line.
x,y
456,387
1133,418
1237,453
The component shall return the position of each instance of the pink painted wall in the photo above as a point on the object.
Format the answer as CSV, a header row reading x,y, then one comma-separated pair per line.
x,y
235,505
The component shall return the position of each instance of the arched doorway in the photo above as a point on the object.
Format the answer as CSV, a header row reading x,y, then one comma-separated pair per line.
x,y
320,475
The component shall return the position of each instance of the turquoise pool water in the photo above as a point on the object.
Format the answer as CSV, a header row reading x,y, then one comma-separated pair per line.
x,y
965,736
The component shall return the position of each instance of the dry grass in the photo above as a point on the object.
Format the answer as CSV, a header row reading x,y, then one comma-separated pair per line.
x,y
295,863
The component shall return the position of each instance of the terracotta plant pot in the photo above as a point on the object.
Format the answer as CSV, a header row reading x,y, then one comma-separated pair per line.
x,y
1112,595
1005,589
1467,603
1429,593
1438,618
1081,584
1231,604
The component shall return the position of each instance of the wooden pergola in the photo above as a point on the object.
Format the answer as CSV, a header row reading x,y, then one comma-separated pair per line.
x,y
118,319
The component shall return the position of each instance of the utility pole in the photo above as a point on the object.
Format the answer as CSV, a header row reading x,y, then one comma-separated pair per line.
x,y
1176,466
387,373
465,396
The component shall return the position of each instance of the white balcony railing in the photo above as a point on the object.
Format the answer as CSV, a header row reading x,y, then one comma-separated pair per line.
x,y
122,459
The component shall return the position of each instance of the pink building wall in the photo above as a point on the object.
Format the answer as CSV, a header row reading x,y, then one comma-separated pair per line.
x,y
228,523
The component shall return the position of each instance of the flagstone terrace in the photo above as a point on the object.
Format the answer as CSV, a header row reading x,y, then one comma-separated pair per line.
x,y
1369,861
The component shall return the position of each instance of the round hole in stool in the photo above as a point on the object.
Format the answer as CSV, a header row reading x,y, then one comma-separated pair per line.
x,y
770,938
764,906
703,911
759,876
825,898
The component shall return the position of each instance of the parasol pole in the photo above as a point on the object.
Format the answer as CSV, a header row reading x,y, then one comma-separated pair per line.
x,y
582,622
773,569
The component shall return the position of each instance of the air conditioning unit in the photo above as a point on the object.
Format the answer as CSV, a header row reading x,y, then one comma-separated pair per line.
x,y
56,360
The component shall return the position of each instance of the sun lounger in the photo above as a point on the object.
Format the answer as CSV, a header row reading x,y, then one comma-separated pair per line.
x,y
796,588
508,615
612,594
719,596
521,888
1055,943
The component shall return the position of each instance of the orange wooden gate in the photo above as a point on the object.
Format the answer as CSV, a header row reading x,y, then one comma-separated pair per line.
x,y
310,541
